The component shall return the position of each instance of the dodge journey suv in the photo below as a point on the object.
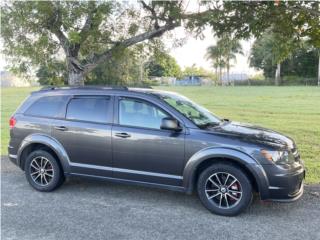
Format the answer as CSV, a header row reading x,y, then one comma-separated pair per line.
x,y
151,138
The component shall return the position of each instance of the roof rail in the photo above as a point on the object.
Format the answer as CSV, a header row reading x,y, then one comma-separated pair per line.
x,y
47,88
97,87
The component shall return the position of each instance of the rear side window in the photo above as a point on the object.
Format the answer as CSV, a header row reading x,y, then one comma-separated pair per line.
x,y
89,109
52,107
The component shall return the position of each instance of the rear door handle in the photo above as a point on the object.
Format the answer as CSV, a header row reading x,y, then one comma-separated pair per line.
x,y
61,128
123,135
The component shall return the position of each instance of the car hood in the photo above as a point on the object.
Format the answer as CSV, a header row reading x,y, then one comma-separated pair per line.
x,y
255,134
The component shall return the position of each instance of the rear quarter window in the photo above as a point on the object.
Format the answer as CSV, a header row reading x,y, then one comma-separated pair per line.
x,y
52,107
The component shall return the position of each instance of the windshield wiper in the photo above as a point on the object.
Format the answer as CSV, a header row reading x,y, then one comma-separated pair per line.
x,y
209,124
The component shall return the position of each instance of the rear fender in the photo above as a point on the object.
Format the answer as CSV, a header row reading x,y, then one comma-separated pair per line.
x,y
48,141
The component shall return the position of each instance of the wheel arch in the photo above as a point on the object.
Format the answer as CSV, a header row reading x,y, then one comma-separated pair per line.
x,y
41,141
206,157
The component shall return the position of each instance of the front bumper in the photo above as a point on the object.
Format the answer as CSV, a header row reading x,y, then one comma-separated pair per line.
x,y
285,186
290,197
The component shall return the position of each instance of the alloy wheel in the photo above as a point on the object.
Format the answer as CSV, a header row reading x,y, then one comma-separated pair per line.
x,y
41,171
223,190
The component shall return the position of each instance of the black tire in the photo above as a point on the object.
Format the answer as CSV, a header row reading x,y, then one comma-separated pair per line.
x,y
224,203
52,168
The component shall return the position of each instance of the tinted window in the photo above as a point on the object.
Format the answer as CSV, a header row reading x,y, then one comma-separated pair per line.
x,y
47,106
88,109
140,114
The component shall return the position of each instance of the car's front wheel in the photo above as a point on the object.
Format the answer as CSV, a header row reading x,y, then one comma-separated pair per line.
x,y
43,171
224,189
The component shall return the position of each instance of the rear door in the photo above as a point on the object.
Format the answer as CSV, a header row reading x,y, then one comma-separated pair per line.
x,y
85,134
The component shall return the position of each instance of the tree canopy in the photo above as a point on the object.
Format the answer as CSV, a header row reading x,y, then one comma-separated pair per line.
x,y
163,65
302,61
86,34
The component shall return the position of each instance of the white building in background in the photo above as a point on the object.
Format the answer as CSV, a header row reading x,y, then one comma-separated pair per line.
x,y
164,80
8,79
235,77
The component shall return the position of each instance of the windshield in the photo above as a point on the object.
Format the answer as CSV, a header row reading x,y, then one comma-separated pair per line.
x,y
197,114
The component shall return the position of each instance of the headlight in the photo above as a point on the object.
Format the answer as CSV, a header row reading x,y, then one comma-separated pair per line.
x,y
278,157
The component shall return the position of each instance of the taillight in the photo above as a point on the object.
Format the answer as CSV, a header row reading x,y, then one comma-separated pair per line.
x,y
12,122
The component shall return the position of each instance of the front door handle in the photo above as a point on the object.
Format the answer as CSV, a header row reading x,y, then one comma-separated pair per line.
x,y
123,135
61,128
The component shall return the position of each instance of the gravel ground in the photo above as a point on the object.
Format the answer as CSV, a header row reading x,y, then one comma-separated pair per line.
x,y
83,209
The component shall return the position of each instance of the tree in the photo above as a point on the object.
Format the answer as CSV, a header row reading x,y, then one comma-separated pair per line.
x,y
223,53
91,32
163,65
230,47
273,48
122,69
252,18
279,49
291,19
52,73
88,32
301,63
215,54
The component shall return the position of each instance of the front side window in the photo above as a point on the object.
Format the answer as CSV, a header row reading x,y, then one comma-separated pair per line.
x,y
51,107
88,109
137,113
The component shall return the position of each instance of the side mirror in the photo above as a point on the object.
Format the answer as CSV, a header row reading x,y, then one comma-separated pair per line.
x,y
170,124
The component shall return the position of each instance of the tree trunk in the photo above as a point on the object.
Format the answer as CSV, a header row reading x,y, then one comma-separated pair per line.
x,y
217,80
277,77
75,78
75,73
141,71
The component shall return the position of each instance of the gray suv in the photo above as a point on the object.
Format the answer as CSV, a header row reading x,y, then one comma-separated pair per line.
x,y
151,138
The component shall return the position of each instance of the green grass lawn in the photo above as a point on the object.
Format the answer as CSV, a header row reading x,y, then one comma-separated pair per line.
x,y
294,111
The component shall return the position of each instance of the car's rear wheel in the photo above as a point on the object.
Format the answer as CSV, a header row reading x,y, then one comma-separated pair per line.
x,y
43,171
224,189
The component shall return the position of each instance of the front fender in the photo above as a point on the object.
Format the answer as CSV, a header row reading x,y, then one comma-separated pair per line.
x,y
49,142
234,155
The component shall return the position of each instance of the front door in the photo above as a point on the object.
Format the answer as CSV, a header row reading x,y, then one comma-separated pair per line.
x,y
85,133
141,150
